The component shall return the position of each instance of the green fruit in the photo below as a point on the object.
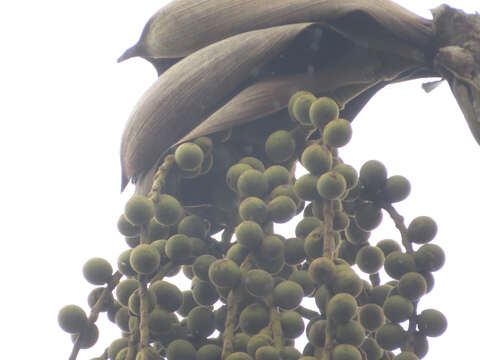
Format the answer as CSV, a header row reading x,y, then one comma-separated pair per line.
x,y
390,336
432,323
378,294
123,263
299,106
313,245
237,253
355,235
121,318
407,355
97,271
160,320
258,282
181,350
249,234
88,336
373,175
272,247
306,187
234,173
179,248
316,332
337,133
139,210
396,188
257,341
292,324
204,292
286,190
288,295
273,266
188,303
201,265
95,295
371,349
267,353
306,226
421,230
347,251
253,318
237,356
193,226
289,353
253,162
132,241
368,216
116,346
277,175
420,345
322,270
239,342
429,257
322,297
168,211
169,297
294,251
134,301
157,231
126,288
281,209
254,209
347,282
370,259
397,308
252,183
340,221
371,316
388,246
209,352
280,146
201,321
189,156
303,279
341,308
412,286
316,159
350,332
331,185
224,273
346,352
397,264
349,173
126,228
145,259
322,111
72,318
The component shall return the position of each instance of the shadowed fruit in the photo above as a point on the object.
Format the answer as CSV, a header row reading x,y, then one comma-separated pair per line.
x,y
350,332
72,318
209,352
346,352
294,251
258,282
306,187
292,324
341,308
126,288
371,349
316,332
181,350
280,146
288,295
322,270
234,173
373,175
397,308
390,336
169,296
88,336
126,228
421,230
349,173
412,286
432,323
201,321
398,263
429,257
193,226
253,318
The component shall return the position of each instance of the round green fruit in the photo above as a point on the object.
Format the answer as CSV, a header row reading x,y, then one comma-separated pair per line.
x,y
322,270
371,316
126,228
257,341
179,248
292,324
238,356
398,263
322,111
277,175
397,308
254,209
432,323
294,251
193,226
299,106
168,211
371,349
388,246
351,332
303,279
181,350
280,146
160,320
189,156
429,257
72,318
224,273
341,308
281,209
346,352
201,321
209,352
125,289
201,265
267,353
249,234
316,159
412,286
252,183
234,173
169,296
139,210
317,332
259,282
368,215
254,318
306,187
253,162
288,295
97,271
370,259
145,259
396,188
204,292
421,230
116,346
337,133
331,185
373,175
390,336
88,336
349,173
407,355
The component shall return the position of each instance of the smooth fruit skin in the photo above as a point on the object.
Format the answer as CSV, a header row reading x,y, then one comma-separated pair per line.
x,y
97,271
139,210
72,318
322,111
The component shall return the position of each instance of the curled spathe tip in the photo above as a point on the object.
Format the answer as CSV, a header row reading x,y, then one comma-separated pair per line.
x,y
129,53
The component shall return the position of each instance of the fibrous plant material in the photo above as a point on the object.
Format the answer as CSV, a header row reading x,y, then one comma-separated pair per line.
x,y
210,190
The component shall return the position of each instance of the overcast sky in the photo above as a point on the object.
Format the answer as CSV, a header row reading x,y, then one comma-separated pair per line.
x,y
65,102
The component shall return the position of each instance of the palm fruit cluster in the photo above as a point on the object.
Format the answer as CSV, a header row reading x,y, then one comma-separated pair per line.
x,y
248,282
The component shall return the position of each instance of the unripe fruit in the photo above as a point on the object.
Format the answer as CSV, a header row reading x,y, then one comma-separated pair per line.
x,y
412,286
267,353
322,270
116,346
121,318
168,211
201,321
294,251
252,183
337,133
390,336
316,159
253,318
189,156
347,282
432,322
397,308
368,216
340,221
396,188
179,248
350,332
371,349
259,282
169,297
272,247
134,301
322,111
72,318
299,106
306,187
249,234
388,246
281,209
373,175
240,341
193,226
288,295
181,350
316,332
254,209
421,230
234,173
429,257
94,296
160,320
276,175
280,146
378,294
355,235
126,228
322,297
370,259
139,210
292,324
201,265
257,341
371,316
188,303
145,259
87,337
346,352
290,353
303,279
238,356
209,352
331,185
157,231
313,245
224,273
287,190
97,271
397,264
204,292
341,308
349,173
237,253
125,289
407,355
306,226
255,163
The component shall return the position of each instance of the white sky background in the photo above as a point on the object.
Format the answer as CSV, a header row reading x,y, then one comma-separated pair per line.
x,y
64,105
